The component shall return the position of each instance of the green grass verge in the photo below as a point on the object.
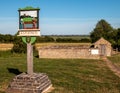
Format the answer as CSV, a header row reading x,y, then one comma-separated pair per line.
x,y
115,59
67,75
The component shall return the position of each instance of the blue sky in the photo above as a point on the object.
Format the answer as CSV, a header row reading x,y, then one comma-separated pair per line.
x,y
61,17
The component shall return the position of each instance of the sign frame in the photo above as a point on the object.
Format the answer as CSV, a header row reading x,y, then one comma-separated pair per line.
x,y
29,22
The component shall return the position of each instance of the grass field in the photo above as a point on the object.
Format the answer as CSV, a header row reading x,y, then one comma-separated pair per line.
x,y
67,75
115,59
4,46
38,45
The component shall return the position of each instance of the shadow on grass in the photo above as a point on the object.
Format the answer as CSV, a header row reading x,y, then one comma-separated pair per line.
x,y
14,71
37,56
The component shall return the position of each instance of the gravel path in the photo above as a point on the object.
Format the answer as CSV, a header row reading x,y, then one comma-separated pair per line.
x,y
112,66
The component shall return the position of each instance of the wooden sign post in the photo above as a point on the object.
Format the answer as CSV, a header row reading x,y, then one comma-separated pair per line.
x,y
29,29
29,58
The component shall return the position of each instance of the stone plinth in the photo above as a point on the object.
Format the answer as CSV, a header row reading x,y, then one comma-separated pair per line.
x,y
25,83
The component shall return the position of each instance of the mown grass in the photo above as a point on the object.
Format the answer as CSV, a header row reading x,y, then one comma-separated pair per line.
x,y
115,59
67,75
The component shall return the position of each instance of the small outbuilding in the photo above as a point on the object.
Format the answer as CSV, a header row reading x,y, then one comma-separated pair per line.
x,y
104,47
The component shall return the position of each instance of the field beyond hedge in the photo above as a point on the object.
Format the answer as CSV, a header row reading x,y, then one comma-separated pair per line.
x,y
6,46
67,75
39,45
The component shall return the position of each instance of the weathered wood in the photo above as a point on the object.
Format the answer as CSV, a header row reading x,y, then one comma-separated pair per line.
x,y
29,58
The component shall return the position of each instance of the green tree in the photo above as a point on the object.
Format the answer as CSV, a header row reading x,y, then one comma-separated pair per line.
x,y
104,29
118,39
19,46
101,30
7,38
1,38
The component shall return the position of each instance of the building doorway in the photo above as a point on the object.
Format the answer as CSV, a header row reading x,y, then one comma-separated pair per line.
x,y
103,50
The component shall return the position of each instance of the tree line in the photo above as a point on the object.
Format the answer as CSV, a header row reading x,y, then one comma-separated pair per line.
x,y
7,38
61,39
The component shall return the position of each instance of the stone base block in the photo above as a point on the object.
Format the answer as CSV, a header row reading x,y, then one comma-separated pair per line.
x,y
25,83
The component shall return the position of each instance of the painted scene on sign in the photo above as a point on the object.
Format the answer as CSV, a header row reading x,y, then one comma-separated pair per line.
x,y
28,20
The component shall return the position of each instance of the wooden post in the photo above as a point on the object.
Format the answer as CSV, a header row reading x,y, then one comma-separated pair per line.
x,y
29,58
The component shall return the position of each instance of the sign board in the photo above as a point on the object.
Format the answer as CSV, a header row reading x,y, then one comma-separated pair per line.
x,y
29,32
29,22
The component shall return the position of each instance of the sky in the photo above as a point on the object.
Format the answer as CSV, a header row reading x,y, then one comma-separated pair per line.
x,y
61,17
